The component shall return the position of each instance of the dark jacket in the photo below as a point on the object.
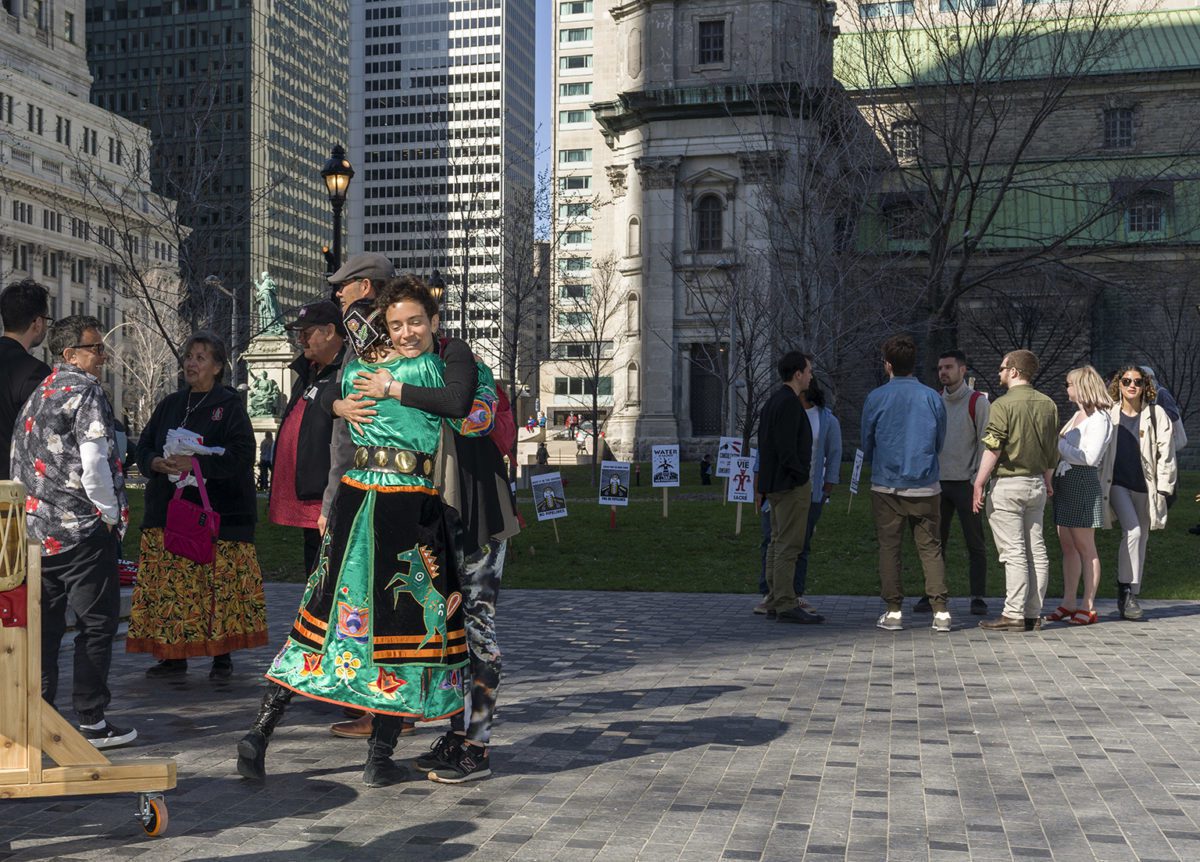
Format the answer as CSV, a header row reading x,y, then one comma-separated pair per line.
x,y
316,427
784,443
483,496
20,374
221,420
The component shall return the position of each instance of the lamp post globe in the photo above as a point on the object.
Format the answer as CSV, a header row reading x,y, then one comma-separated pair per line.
x,y
337,174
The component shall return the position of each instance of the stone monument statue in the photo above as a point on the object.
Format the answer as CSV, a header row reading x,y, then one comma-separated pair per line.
x,y
264,395
270,319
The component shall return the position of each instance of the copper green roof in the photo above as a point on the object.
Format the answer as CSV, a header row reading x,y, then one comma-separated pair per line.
x,y
1141,42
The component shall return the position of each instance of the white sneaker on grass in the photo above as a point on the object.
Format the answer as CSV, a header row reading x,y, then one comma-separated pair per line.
x,y
892,621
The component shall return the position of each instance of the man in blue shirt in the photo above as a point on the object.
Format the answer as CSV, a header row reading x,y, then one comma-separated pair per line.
x,y
903,429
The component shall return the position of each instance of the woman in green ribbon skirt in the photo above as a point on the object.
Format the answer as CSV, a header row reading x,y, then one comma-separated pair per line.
x,y
380,626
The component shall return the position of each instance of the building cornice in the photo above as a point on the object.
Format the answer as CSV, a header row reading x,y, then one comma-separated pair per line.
x,y
705,101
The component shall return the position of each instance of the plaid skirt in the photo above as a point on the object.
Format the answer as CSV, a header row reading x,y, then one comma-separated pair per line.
x,y
1078,498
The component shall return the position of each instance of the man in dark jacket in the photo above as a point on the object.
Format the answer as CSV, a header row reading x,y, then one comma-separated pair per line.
x,y
302,449
785,461
25,309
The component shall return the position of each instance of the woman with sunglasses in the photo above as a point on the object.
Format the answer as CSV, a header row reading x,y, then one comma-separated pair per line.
x,y
1078,497
1138,475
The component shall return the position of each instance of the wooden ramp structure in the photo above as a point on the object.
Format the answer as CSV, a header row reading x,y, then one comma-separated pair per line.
x,y
41,753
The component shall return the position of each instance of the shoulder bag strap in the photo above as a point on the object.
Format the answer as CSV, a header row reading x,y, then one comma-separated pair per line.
x,y
199,484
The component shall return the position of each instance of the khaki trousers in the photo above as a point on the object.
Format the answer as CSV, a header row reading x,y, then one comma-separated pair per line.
x,y
922,515
1015,509
789,523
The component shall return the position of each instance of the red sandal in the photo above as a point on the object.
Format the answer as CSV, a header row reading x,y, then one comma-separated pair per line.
x,y
1083,618
1060,615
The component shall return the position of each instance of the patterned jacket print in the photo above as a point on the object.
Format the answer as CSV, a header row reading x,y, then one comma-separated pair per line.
x,y
68,409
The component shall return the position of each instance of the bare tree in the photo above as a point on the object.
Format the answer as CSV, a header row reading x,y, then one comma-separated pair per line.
x,y
1159,328
1048,312
978,106
587,322
146,358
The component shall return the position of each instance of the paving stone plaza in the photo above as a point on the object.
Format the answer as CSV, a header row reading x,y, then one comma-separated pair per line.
x,y
661,726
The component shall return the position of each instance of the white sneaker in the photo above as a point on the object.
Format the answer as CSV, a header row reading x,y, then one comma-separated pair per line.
x,y
892,621
941,621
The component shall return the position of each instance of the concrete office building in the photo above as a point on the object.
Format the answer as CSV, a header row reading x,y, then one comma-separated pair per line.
x,y
244,99
441,132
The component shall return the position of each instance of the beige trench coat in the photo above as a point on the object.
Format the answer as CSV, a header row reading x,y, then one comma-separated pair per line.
x,y
1158,462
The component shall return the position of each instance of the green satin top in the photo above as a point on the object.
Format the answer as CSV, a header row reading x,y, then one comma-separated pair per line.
x,y
394,424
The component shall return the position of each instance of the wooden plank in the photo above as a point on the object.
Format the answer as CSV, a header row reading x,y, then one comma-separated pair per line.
x,y
34,705
14,712
85,788
64,744
14,776
156,771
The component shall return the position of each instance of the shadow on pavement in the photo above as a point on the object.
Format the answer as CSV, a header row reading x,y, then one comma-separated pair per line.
x,y
620,700
587,746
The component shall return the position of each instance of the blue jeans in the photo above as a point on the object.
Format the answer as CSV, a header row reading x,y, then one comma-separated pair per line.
x,y
800,579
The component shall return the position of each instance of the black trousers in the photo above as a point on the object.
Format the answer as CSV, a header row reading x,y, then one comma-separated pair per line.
x,y
956,499
83,578
312,548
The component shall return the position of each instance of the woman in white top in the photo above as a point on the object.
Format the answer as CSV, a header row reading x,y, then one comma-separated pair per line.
x,y
1079,494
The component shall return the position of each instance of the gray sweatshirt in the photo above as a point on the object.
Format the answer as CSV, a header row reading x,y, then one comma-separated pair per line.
x,y
959,458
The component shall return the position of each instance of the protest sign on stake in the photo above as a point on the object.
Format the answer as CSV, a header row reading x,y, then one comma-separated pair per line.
x,y
549,499
855,475
664,470
741,486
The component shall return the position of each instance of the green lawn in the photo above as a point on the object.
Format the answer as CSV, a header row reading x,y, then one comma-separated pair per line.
x,y
695,549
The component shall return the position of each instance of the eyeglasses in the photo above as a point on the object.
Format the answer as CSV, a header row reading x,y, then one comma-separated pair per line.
x,y
98,348
1130,381
49,320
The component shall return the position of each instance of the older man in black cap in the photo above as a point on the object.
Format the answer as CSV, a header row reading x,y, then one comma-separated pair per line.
x,y
302,449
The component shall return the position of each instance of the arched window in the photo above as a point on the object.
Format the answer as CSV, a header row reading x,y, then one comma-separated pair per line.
x,y
633,384
633,238
709,223
633,314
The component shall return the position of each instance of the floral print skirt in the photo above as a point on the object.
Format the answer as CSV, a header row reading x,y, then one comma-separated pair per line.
x,y
183,609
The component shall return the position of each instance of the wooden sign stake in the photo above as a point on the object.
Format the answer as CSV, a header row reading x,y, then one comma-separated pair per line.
x,y
554,523
664,490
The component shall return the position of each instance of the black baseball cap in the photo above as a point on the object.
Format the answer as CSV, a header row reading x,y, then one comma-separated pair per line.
x,y
318,313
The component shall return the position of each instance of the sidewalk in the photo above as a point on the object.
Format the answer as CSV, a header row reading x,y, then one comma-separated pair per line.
x,y
659,727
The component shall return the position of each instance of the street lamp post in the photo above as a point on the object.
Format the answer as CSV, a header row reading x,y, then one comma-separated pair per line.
x,y
215,281
437,288
337,174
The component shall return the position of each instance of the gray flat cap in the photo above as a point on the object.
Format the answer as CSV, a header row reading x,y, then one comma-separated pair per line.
x,y
364,265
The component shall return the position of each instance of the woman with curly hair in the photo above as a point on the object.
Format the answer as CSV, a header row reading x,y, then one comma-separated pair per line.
x,y
1138,475
380,626
1078,496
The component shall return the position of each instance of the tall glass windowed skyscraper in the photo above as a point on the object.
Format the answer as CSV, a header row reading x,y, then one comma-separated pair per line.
x,y
441,123
244,99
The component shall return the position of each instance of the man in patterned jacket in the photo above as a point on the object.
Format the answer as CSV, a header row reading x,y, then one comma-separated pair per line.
x,y
64,452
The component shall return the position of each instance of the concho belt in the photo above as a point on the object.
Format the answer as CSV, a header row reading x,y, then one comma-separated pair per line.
x,y
385,459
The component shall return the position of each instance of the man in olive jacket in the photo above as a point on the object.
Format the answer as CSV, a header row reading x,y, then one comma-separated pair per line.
x,y
785,461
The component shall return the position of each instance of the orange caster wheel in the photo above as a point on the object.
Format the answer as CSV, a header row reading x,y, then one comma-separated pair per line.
x,y
153,814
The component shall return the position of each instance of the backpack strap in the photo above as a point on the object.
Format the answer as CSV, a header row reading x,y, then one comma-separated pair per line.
x,y
975,396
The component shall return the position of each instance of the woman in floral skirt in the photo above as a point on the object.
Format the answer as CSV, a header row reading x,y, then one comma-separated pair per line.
x,y
183,609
